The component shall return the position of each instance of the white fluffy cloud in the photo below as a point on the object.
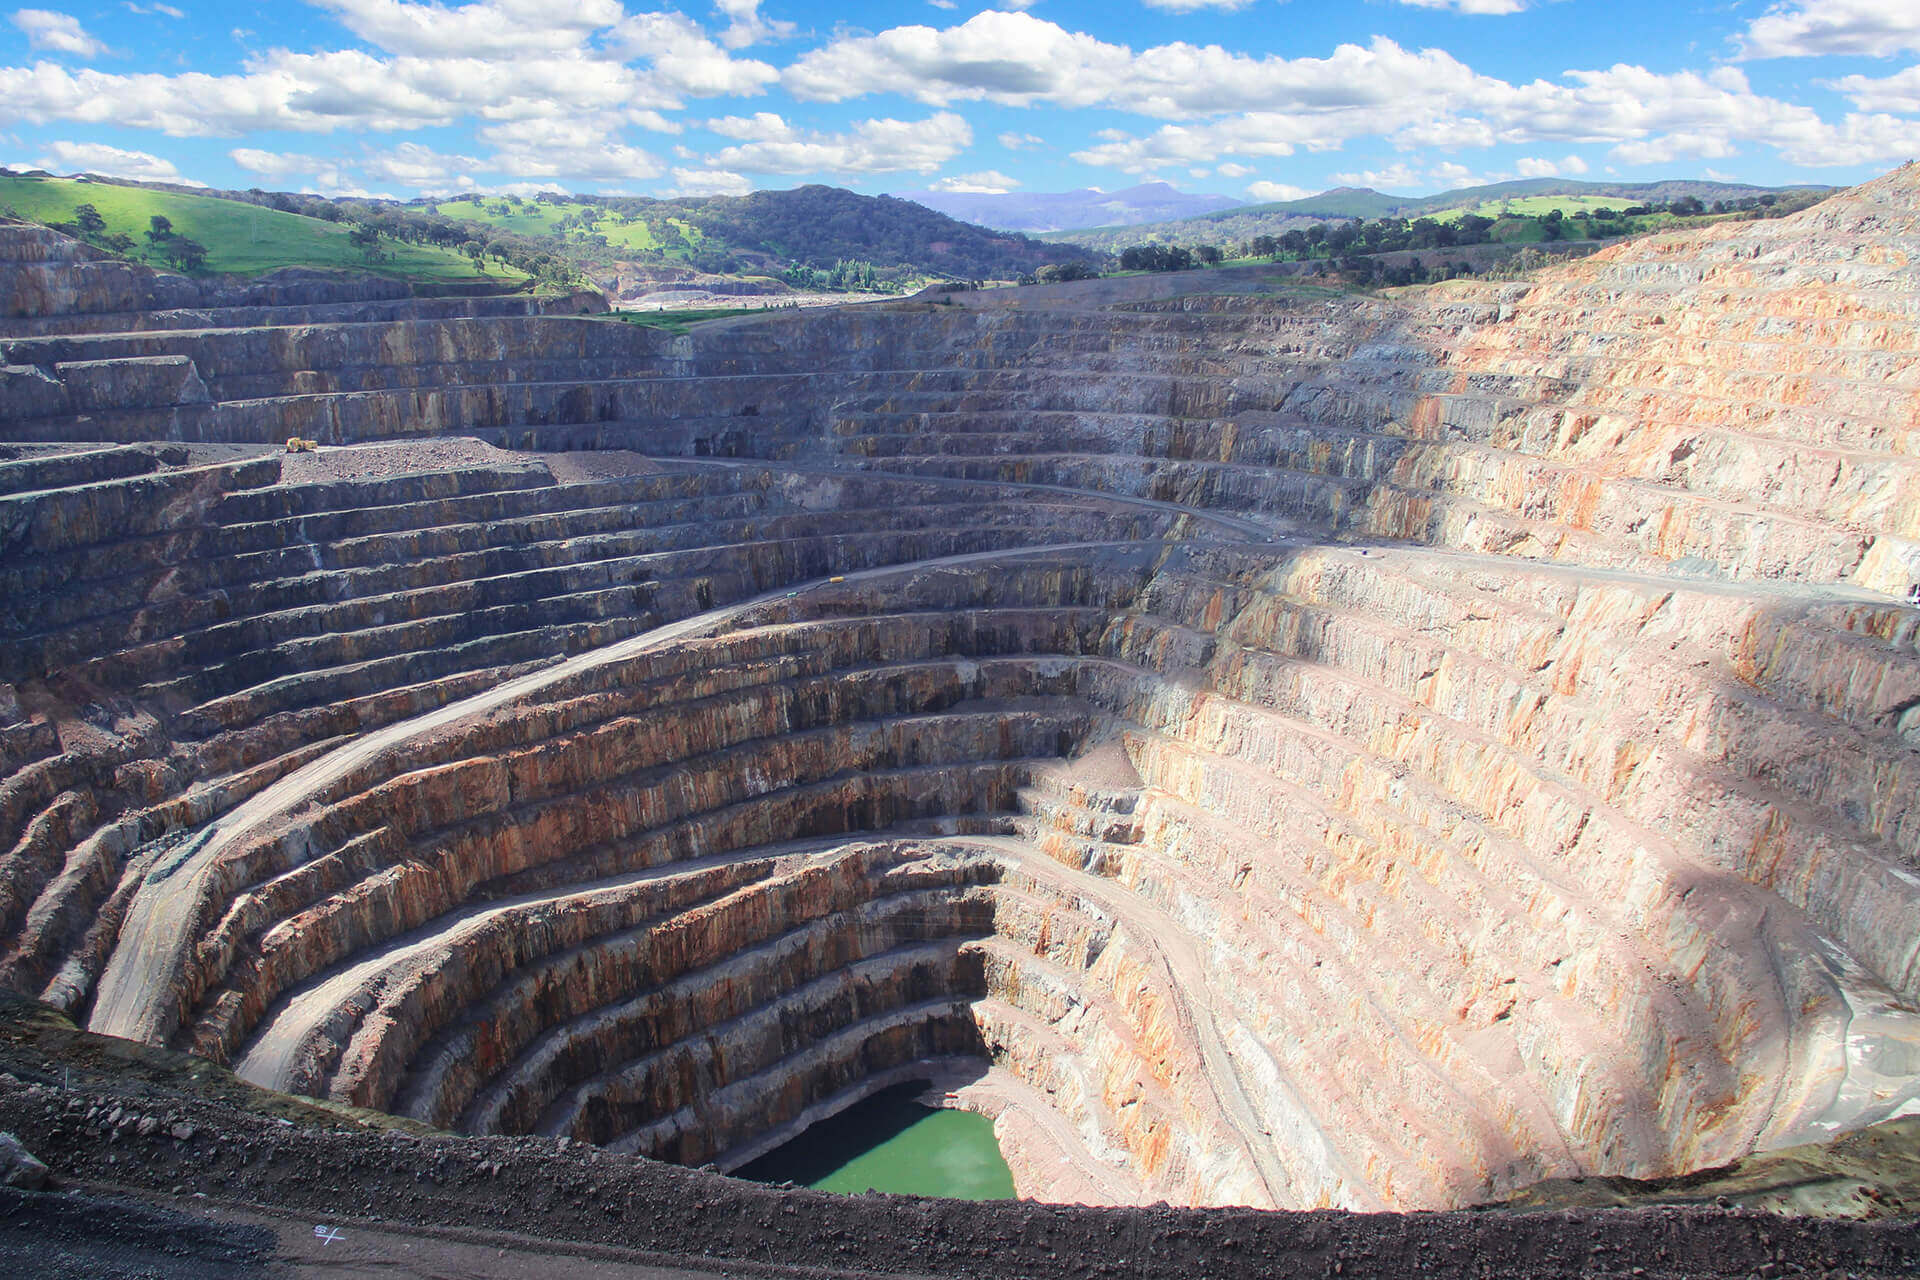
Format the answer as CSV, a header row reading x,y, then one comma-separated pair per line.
x,y
583,148
1669,147
111,162
1648,116
1811,28
1472,6
1020,60
1897,93
710,182
769,144
1274,192
274,164
57,33
562,90
685,60
988,182
1541,167
414,165
1395,175
496,60
747,26
488,27
354,90
1188,6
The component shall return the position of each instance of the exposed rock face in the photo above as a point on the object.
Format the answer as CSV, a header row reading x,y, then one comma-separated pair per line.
x,y
1318,751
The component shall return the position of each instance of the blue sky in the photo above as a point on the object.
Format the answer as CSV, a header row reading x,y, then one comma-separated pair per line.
x,y
1259,99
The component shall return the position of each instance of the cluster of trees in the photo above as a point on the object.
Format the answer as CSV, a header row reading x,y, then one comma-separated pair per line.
x,y
1350,246
1368,272
1169,257
179,251
1381,235
176,251
851,275
1388,235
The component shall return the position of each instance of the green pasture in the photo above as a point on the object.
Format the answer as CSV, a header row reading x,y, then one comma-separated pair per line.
x,y
241,239
541,218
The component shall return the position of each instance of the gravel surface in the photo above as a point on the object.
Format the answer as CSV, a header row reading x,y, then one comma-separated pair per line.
x,y
395,458
610,464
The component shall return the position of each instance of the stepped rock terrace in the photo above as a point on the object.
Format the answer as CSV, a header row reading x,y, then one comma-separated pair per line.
x,y
1265,746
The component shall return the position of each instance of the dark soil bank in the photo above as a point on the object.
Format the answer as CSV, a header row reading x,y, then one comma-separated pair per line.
x,y
146,1139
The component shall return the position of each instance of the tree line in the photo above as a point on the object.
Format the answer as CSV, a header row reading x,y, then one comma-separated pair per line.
x,y
1351,245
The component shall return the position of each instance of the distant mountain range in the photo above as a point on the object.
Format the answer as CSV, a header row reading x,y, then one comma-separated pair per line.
x,y
1070,210
1243,222
1365,202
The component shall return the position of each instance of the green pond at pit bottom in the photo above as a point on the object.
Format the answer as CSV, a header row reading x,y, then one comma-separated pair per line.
x,y
891,1143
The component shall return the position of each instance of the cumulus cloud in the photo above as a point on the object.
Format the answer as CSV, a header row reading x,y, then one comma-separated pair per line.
x,y
488,27
1471,6
584,149
163,10
1668,147
1813,28
1650,114
710,182
274,164
353,89
1274,192
414,165
769,144
1233,104
57,33
431,65
557,86
685,60
1019,60
988,182
1898,93
1541,167
747,26
1396,175
1188,6
411,164
111,162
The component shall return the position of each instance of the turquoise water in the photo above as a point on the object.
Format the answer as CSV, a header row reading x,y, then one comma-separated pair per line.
x,y
891,1143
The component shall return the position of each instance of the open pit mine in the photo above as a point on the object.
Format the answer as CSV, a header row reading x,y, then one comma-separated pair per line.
x,y
1264,746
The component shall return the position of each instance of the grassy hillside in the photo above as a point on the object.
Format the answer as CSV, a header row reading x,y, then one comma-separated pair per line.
x,y
565,222
812,236
1531,206
241,239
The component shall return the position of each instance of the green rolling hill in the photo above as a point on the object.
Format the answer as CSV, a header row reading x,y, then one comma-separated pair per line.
x,y
241,238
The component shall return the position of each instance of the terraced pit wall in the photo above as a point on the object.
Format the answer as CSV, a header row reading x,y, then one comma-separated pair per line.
x,y
1281,748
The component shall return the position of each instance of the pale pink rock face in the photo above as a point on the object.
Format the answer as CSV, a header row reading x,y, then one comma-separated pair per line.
x,y
1275,748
